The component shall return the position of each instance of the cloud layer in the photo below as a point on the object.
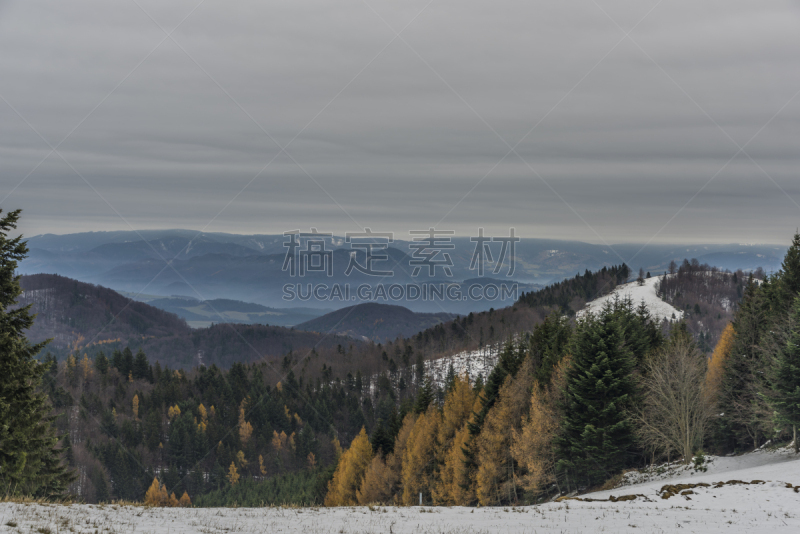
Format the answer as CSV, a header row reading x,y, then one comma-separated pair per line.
x,y
629,120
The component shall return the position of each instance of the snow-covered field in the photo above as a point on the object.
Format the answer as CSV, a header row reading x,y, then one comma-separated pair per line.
x,y
765,506
647,293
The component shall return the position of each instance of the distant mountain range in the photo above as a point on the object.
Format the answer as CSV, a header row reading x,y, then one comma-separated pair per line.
x,y
89,318
249,268
203,313
377,322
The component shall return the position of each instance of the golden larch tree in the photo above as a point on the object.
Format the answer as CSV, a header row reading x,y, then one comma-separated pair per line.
x,y
419,457
135,406
349,472
495,476
716,366
532,446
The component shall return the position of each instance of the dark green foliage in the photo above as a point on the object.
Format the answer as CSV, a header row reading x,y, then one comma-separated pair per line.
x,y
303,488
508,364
584,287
596,439
790,270
784,374
548,344
30,462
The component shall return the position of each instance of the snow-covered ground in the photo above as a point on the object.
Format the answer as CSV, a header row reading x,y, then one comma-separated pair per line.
x,y
765,506
473,363
647,293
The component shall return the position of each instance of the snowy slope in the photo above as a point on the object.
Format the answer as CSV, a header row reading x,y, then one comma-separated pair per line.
x,y
647,293
769,506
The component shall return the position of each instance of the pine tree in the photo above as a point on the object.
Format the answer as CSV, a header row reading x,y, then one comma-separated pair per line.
x,y
785,377
30,463
790,271
596,438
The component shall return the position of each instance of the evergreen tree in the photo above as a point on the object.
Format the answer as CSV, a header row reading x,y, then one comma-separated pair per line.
x,y
790,271
30,463
141,367
596,439
785,377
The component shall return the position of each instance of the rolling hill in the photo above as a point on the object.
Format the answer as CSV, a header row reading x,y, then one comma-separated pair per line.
x,y
374,321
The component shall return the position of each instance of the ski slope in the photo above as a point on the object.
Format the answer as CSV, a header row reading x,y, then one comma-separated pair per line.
x,y
647,293
767,506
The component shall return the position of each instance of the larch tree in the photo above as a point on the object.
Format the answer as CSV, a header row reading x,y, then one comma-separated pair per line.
x,y
30,461
716,365
495,477
458,408
419,457
350,472
532,446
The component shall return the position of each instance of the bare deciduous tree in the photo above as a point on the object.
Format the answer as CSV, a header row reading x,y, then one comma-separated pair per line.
x,y
676,410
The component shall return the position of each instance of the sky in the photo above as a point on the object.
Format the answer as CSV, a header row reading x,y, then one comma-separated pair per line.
x,y
595,120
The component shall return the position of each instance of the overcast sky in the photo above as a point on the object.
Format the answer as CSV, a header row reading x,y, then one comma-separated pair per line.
x,y
686,130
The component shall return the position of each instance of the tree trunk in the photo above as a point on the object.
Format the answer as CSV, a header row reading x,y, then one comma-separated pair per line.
x,y
794,431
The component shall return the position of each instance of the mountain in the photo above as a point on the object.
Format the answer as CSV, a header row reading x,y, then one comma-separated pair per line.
x,y
88,318
208,266
374,321
202,313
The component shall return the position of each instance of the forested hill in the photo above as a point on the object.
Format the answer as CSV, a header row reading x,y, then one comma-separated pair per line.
x,y
89,318
379,322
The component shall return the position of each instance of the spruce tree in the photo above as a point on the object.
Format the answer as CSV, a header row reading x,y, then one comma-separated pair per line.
x,y
596,438
790,270
30,463
785,377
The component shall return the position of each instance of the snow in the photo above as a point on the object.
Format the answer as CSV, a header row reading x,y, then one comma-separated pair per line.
x,y
769,506
637,293
473,363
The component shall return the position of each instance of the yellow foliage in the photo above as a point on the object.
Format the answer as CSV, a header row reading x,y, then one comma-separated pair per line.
x,y
298,420
349,472
173,412
241,459
156,495
287,413
203,413
418,459
130,376
379,483
279,386
233,475
245,428
86,367
114,413
291,441
173,501
458,407
212,412
185,501
261,466
276,441
532,446
495,476
716,366
135,406
312,460
337,447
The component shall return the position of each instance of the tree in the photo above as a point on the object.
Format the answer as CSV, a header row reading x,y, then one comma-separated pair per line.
x,y
784,377
141,367
790,271
675,409
30,462
419,457
532,446
716,366
597,438
495,481
349,472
